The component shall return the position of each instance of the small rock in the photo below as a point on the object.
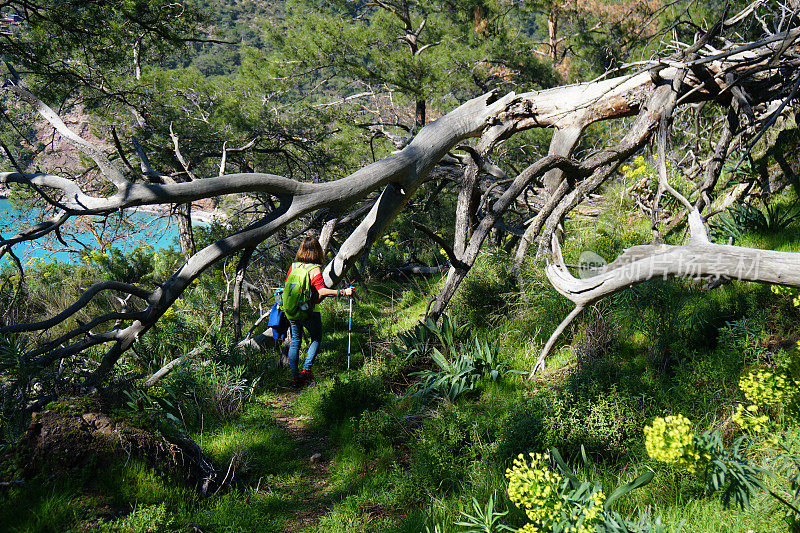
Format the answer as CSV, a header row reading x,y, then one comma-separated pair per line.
x,y
316,458
102,421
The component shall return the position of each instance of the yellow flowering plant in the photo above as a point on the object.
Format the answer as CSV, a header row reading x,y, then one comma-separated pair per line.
x,y
747,418
766,388
725,469
390,239
555,499
763,389
671,440
776,390
788,292
639,169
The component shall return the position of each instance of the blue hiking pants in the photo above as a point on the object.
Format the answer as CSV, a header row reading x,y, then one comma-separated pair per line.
x,y
313,326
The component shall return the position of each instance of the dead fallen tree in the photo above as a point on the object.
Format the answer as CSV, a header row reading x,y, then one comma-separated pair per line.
x,y
749,77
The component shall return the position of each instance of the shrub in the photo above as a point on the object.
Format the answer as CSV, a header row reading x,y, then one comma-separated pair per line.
x,y
555,499
351,396
728,470
539,309
605,423
223,389
524,429
599,334
376,429
209,387
488,292
444,451
460,374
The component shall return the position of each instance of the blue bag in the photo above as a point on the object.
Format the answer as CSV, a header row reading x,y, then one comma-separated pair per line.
x,y
278,322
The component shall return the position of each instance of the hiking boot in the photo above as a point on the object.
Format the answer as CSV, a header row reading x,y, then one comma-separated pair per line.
x,y
296,383
306,375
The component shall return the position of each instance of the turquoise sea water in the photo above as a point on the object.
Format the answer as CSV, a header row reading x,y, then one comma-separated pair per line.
x,y
136,230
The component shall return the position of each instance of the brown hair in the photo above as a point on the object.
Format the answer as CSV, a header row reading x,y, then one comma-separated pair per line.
x,y
310,251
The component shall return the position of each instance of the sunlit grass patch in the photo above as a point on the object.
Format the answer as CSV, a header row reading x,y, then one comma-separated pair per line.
x,y
264,446
246,510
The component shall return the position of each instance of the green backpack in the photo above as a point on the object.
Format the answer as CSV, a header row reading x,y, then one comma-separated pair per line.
x,y
296,295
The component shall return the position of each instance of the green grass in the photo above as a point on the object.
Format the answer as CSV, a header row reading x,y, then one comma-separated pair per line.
x,y
782,241
94,496
265,446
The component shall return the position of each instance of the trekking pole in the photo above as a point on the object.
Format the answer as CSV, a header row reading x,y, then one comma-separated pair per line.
x,y
349,330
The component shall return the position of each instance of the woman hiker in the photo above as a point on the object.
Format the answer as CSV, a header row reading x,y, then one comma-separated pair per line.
x,y
309,256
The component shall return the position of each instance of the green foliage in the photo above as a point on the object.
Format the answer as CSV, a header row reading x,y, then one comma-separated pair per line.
x,y
673,315
236,110
374,429
444,451
74,405
48,508
727,469
350,396
459,366
145,265
485,520
143,519
451,380
342,36
160,404
461,372
766,391
414,342
119,495
344,45
13,363
787,463
448,333
743,218
539,308
487,292
736,222
606,423
20,142
210,387
17,376
388,461
57,33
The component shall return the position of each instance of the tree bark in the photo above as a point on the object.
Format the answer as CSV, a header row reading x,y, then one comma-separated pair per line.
x,y
552,32
185,231
420,110
241,269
